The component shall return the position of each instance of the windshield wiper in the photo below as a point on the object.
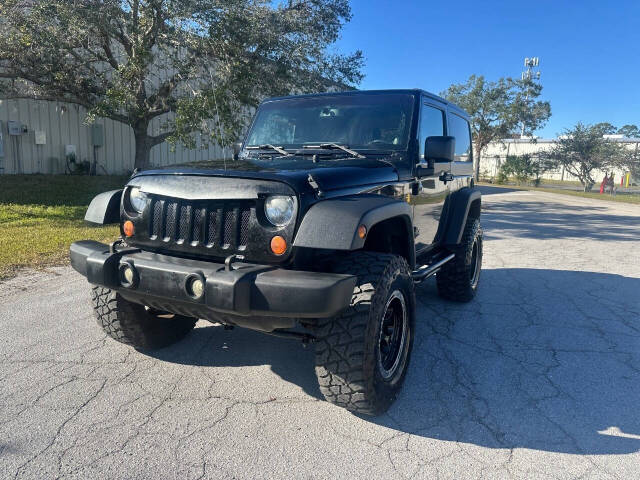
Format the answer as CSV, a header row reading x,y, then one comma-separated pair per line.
x,y
335,146
268,146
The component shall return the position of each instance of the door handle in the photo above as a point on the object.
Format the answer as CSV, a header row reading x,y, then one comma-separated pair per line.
x,y
446,177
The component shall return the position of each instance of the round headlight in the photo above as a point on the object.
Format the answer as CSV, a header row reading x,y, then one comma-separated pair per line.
x,y
279,209
137,199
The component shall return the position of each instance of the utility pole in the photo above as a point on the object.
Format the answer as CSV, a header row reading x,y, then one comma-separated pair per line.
x,y
530,74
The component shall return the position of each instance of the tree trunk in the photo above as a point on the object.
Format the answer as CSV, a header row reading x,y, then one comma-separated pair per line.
x,y
477,162
143,146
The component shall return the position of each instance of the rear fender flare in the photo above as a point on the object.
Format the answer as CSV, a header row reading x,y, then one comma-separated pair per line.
x,y
458,212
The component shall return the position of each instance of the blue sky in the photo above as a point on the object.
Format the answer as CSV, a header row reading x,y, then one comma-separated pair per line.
x,y
589,50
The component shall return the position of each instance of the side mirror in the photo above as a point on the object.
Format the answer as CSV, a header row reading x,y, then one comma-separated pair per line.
x,y
237,146
439,149
436,150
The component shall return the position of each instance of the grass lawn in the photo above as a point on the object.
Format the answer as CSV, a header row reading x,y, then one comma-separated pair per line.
x,y
41,215
620,197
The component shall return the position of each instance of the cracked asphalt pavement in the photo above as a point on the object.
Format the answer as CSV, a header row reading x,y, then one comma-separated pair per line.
x,y
538,377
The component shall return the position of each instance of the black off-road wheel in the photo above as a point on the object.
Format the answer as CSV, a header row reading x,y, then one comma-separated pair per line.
x,y
362,355
135,324
458,279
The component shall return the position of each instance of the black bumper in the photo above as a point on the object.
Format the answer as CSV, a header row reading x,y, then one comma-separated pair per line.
x,y
244,290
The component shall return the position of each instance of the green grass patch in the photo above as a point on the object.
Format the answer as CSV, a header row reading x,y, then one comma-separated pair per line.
x,y
41,215
620,197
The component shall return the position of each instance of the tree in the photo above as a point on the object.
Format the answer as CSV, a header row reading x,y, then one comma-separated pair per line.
x,y
183,61
629,131
497,108
605,128
582,149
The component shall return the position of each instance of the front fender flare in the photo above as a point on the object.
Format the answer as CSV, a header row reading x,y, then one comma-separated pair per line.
x,y
333,223
104,208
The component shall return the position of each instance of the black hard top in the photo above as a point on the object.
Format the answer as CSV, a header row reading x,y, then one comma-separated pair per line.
x,y
409,91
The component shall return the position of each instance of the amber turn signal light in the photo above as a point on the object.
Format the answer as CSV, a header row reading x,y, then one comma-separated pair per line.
x,y
278,245
362,231
127,228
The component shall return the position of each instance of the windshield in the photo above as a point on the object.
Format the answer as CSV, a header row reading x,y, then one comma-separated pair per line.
x,y
376,122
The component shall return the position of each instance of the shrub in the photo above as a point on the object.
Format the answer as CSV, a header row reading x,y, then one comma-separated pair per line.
x,y
523,168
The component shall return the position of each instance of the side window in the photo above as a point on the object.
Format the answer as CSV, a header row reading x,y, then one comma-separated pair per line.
x,y
431,125
459,128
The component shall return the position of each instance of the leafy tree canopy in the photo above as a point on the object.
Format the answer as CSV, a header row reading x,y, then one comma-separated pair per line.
x,y
582,150
497,108
629,131
184,61
605,128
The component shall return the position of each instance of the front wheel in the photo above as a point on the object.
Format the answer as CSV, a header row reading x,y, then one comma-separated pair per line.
x,y
135,324
362,355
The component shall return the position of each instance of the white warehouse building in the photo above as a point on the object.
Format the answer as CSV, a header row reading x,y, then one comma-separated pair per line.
x,y
37,135
496,153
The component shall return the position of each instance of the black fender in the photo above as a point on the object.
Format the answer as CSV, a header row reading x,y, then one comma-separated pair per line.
x,y
333,223
104,208
461,203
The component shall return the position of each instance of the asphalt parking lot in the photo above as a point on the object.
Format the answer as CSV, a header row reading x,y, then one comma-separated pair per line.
x,y
538,377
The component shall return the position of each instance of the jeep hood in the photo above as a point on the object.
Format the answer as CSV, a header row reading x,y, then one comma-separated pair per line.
x,y
294,171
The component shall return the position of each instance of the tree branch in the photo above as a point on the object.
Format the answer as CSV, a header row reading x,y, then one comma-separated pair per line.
x,y
158,139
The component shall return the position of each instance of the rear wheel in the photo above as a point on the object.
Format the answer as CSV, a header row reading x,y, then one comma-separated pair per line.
x,y
362,355
458,279
135,324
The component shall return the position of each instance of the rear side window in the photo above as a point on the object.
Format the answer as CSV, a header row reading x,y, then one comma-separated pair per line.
x,y
459,128
431,125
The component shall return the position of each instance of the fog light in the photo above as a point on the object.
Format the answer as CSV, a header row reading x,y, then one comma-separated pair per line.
x,y
194,286
197,287
127,273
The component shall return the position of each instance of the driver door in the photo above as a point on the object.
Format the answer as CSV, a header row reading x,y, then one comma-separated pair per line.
x,y
433,189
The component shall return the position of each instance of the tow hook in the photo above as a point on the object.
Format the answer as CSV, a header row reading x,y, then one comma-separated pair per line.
x,y
228,262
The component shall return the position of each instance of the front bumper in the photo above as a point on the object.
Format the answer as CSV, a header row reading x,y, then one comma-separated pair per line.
x,y
250,294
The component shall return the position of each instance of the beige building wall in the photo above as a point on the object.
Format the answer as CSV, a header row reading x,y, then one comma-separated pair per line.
x,y
496,153
64,124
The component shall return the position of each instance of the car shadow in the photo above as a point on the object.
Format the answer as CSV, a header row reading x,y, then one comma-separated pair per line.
x,y
214,346
541,359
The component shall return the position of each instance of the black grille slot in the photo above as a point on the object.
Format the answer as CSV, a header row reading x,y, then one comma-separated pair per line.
x,y
185,222
212,228
198,225
156,226
221,227
229,224
170,225
244,227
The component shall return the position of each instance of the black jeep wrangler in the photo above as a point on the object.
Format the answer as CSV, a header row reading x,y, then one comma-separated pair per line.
x,y
332,209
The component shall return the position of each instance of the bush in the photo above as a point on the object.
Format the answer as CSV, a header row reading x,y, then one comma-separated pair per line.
x,y
523,168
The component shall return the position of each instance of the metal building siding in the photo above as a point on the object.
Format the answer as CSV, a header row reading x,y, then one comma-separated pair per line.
x,y
64,125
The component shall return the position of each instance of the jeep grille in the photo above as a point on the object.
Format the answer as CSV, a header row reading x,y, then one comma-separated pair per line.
x,y
220,226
